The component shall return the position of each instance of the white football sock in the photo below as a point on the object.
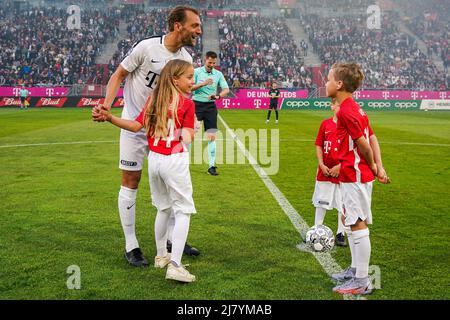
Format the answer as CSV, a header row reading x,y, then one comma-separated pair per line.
x,y
161,224
341,227
127,209
320,216
362,252
351,244
170,226
180,233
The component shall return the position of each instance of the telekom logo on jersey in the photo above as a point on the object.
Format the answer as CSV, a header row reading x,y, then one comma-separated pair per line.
x,y
151,79
326,146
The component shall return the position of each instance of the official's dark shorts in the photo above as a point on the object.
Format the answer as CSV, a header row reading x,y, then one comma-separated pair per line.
x,y
273,105
22,99
206,112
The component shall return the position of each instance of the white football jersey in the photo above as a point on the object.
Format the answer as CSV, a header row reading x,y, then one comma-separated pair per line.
x,y
144,61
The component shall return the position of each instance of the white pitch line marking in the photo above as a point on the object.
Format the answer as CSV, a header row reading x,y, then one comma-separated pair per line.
x,y
54,143
117,141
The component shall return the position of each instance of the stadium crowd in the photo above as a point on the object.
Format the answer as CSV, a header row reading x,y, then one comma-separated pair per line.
x,y
257,50
389,57
213,4
39,49
431,23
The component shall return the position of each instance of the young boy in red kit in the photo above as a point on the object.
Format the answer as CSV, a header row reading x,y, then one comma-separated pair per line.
x,y
360,159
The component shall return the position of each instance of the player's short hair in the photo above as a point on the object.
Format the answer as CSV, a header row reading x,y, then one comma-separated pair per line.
x,y
178,14
211,54
349,73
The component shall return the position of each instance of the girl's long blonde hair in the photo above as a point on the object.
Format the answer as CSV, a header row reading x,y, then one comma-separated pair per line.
x,y
165,97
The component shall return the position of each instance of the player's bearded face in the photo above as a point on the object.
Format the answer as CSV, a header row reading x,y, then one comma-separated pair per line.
x,y
191,29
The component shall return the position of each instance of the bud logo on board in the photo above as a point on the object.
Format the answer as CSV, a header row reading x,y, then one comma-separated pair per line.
x,y
10,102
89,102
51,102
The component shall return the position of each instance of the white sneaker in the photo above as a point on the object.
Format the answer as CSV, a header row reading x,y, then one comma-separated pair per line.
x,y
162,262
179,274
276,121
267,121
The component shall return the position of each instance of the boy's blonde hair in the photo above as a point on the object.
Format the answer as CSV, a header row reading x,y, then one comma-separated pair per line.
x,y
165,97
349,73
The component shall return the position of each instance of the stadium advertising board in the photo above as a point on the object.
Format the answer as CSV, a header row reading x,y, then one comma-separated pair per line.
x,y
257,98
89,102
34,91
400,95
10,102
51,102
299,104
231,13
435,105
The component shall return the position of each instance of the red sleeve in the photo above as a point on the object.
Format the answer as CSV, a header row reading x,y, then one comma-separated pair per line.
x,y
189,115
353,125
140,117
371,133
320,135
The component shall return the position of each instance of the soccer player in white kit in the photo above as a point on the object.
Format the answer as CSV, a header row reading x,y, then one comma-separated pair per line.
x,y
168,119
141,69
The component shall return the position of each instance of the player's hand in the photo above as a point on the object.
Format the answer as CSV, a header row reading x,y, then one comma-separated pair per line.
x,y
334,172
208,82
374,169
325,170
101,113
214,97
96,115
382,176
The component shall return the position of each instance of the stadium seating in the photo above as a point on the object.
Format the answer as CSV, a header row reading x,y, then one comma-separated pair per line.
x,y
38,49
389,57
256,50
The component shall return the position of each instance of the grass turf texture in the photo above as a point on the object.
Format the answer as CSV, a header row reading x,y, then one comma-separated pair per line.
x,y
59,208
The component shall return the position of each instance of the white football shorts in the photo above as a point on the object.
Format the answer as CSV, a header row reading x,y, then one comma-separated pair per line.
x,y
357,199
327,195
170,182
133,150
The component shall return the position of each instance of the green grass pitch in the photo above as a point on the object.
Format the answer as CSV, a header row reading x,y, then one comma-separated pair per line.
x,y
59,208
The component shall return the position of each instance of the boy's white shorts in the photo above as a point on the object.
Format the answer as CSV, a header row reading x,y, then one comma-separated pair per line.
x,y
170,182
327,195
357,199
133,150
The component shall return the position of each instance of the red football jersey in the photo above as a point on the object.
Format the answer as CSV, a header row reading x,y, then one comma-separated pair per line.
x,y
352,124
186,112
326,139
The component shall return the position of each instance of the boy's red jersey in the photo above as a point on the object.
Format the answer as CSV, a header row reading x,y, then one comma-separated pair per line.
x,y
327,140
352,124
